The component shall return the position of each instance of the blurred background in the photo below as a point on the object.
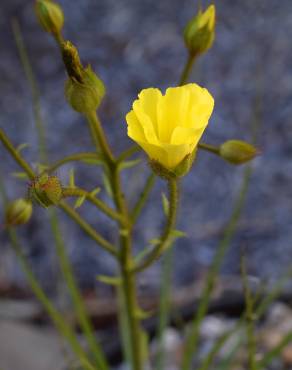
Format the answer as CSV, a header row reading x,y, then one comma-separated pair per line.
x,y
138,44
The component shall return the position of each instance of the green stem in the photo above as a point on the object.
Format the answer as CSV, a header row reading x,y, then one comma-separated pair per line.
x,y
17,157
78,192
125,260
128,153
58,38
129,290
34,89
128,277
169,227
76,296
88,229
99,137
250,317
187,70
143,198
209,148
73,158
164,306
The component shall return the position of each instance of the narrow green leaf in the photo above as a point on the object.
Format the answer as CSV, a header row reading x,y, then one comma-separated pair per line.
x,y
178,234
20,175
22,146
107,185
165,204
155,241
79,201
142,254
95,191
128,164
110,280
41,167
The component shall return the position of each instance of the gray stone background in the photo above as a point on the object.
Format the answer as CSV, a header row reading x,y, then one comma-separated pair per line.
x,y
136,44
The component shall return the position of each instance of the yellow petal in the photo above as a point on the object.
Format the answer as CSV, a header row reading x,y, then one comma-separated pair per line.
x,y
135,130
201,105
175,154
155,152
185,135
146,123
148,100
171,112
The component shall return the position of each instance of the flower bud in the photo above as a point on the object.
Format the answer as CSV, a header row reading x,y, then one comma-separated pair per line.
x,y
237,151
46,190
199,33
85,96
50,15
18,212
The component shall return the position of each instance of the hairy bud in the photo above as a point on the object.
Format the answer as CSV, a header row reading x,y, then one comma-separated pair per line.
x,y
50,16
85,96
46,190
18,212
199,33
237,151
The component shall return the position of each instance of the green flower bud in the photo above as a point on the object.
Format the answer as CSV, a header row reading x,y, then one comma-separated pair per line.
x,y
237,151
50,15
46,190
199,33
18,212
85,96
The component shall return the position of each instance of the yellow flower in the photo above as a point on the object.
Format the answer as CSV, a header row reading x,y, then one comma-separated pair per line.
x,y
168,127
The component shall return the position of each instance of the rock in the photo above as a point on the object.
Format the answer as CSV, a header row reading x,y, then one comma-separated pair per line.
x,y
172,344
20,310
213,327
24,347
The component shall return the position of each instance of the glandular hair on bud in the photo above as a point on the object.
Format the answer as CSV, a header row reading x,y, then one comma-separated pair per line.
x,y
50,16
46,190
18,212
237,151
85,96
199,33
